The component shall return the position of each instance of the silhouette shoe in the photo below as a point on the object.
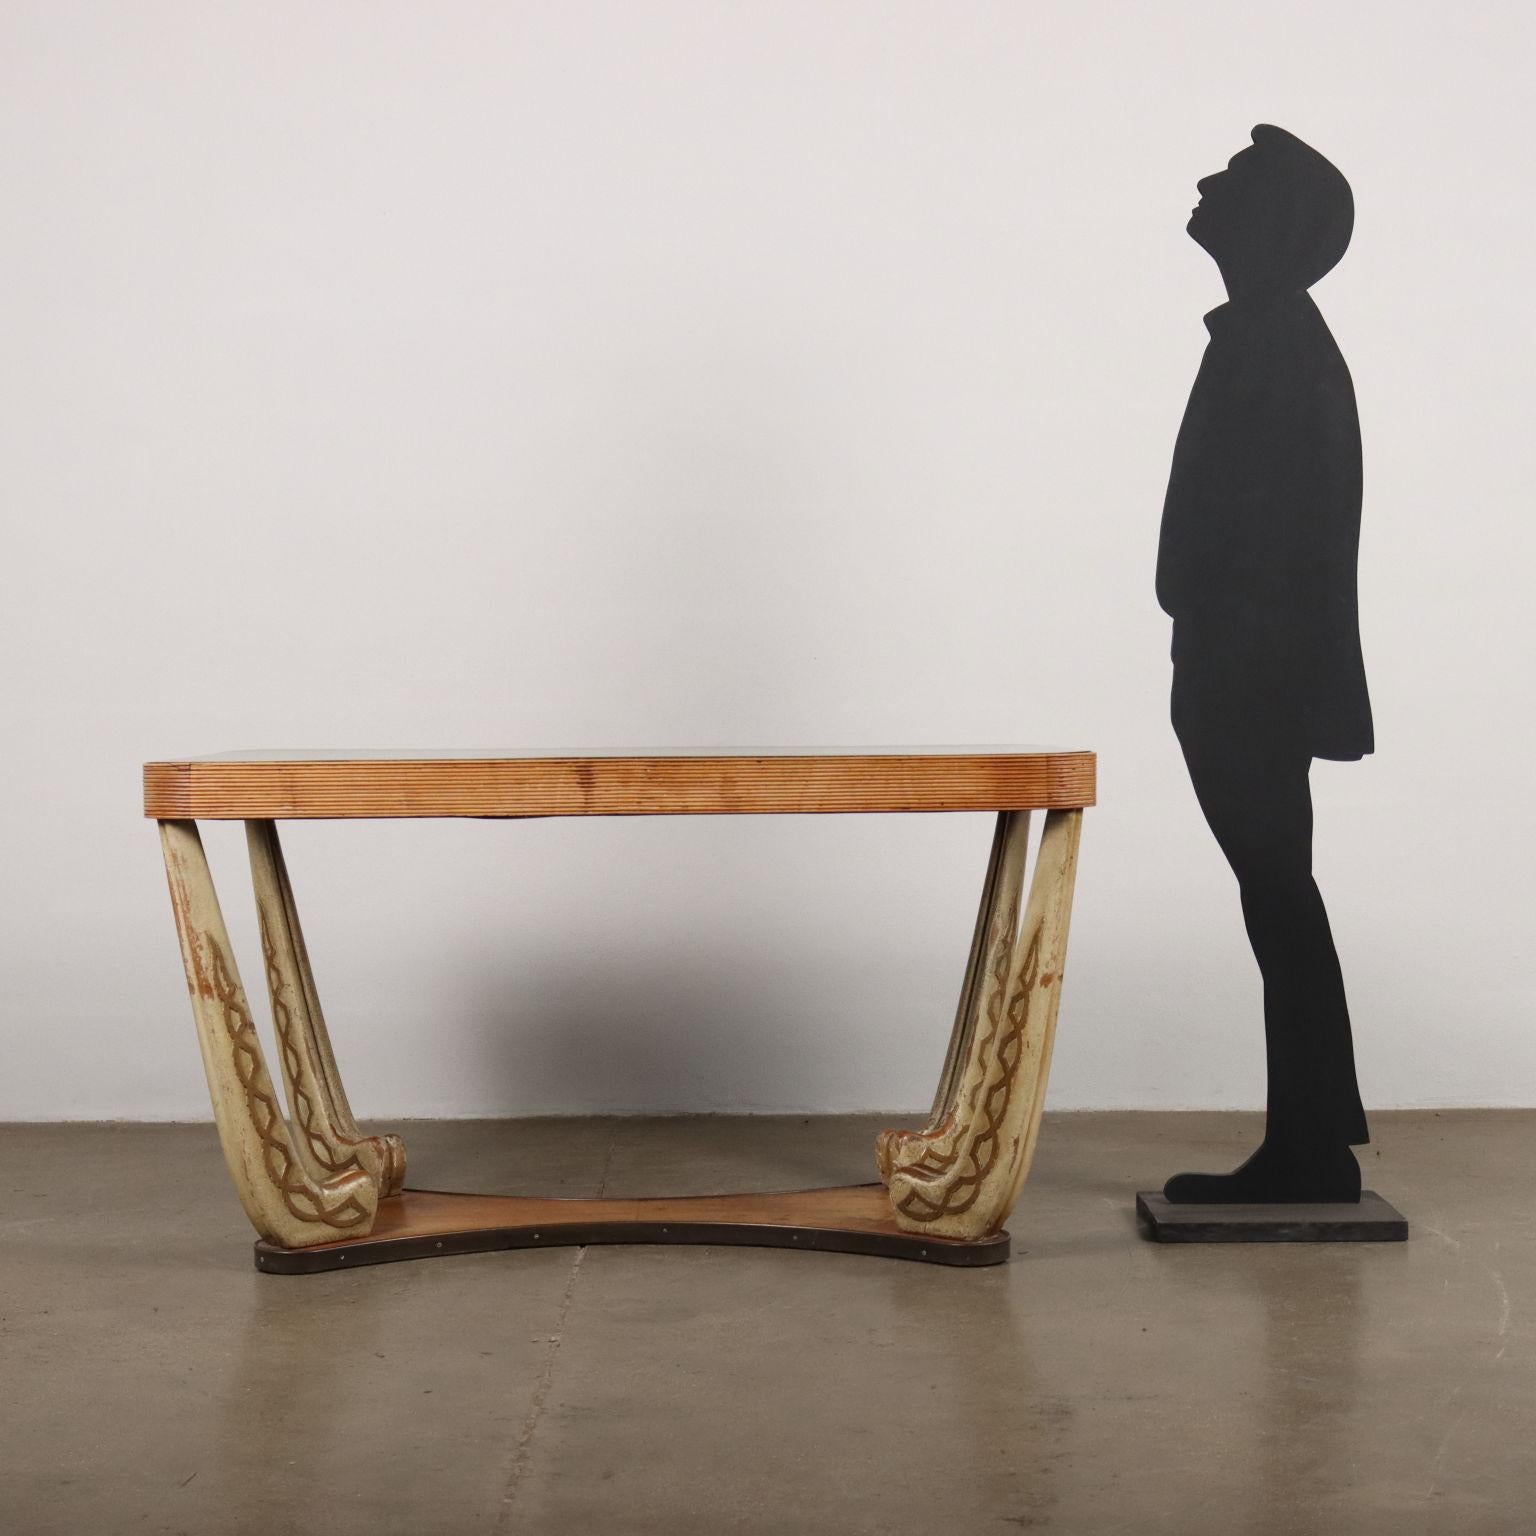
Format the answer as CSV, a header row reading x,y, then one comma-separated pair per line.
x,y
1274,1176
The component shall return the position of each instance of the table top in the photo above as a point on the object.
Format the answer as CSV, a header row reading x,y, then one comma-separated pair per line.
x,y
672,781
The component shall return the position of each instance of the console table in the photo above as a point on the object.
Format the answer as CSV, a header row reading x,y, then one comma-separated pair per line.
x,y
322,1195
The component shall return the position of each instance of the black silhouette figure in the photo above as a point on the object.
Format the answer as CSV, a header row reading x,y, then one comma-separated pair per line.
x,y
1256,567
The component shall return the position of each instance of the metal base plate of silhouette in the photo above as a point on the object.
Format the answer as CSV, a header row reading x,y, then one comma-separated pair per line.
x,y
1373,1220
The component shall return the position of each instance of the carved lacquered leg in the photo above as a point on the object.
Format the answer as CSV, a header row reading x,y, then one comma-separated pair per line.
x,y
962,1181
285,1205
997,921
1016,822
326,1135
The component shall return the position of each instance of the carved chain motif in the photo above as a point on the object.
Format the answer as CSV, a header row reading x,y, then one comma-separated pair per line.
x,y
303,1105
938,1148
1000,1049
282,1168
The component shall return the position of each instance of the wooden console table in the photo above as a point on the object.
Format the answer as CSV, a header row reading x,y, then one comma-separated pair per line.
x,y
322,1195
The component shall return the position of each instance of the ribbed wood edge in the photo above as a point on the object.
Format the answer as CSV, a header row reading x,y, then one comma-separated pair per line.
x,y
616,786
168,791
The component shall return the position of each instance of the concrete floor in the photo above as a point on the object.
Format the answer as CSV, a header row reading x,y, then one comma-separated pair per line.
x,y
152,1381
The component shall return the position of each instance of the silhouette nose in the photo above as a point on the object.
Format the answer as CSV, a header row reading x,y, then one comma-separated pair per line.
x,y
1205,183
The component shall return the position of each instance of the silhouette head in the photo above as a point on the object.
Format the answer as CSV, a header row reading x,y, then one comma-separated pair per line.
x,y
1277,219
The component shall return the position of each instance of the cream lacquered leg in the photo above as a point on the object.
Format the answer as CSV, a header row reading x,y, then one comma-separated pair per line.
x,y
1016,823
326,1135
962,1181
284,1204
997,921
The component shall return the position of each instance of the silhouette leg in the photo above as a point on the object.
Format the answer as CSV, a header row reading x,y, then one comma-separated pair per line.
x,y
1313,1095
1258,803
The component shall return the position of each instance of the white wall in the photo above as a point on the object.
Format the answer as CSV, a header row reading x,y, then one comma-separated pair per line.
x,y
728,373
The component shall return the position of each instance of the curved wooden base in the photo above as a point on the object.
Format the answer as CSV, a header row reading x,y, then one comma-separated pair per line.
x,y
424,1224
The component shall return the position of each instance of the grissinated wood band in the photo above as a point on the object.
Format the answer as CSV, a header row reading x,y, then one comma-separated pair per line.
x,y
420,1224
281,788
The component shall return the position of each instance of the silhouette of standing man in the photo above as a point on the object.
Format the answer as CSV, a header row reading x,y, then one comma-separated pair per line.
x,y
1256,566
